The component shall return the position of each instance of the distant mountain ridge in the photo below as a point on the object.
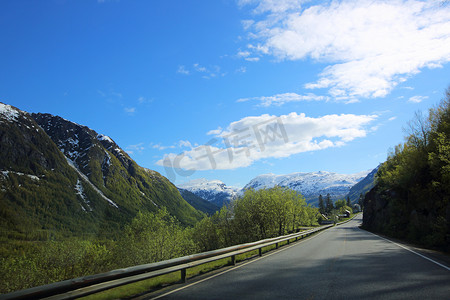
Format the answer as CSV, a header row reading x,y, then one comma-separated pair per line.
x,y
214,191
310,185
56,174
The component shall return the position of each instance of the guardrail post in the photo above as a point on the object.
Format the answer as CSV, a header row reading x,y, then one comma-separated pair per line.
x,y
183,275
233,260
276,246
288,241
260,251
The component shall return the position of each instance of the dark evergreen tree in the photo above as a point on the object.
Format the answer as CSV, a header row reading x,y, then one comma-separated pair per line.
x,y
348,202
329,204
321,205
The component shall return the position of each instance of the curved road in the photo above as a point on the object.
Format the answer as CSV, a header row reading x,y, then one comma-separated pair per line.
x,y
343,262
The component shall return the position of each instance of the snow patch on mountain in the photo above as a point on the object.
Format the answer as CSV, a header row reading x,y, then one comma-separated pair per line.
x,y
102,137
8,113
80,192
86,179
6,174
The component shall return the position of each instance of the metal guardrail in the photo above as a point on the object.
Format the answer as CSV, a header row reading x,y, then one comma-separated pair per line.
x,y
83,286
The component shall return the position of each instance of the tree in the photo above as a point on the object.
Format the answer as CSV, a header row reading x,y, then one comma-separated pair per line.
x,y
418,131
268,212
416,180
329,204
339,203
152,237
321,205
349,204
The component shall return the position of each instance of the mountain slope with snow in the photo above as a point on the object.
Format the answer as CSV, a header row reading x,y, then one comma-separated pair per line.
x,y
59,175
214,191
310,185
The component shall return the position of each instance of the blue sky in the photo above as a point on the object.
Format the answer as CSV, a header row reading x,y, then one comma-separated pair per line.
x,y
231,89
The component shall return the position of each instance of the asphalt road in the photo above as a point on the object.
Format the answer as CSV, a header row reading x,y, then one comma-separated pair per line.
x,y
343,262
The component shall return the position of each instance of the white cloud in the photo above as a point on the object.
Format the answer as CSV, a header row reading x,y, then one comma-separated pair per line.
x,y
161,147
370,46
143,100
417,99
208,72
253,59
185,144
260,137
273,6
247,55
130,110
199,68
182,70
215,131
241,70
243,53
280,99
131,149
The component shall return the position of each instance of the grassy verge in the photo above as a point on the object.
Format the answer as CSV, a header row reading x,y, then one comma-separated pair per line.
x,y
171,278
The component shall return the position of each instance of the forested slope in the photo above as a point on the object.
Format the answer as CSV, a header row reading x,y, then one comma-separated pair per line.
x,y
411,198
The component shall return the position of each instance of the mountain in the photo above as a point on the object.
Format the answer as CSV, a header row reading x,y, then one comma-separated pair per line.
x,y
214,191
59,175
199,203
363,186
310,185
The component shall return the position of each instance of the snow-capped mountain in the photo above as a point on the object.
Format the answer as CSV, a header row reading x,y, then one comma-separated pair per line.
x,y
214,191
310,185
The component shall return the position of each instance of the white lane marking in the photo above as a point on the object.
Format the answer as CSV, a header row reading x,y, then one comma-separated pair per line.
x,y
237,267
410,250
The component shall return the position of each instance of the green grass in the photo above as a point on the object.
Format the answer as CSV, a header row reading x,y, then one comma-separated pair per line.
x,y
174,277
136,288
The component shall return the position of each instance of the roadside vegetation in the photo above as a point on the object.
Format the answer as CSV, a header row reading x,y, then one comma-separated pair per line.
x,y
337,211
151,237
412,198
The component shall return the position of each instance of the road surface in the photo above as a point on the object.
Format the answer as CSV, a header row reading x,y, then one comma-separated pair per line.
x,y
343,262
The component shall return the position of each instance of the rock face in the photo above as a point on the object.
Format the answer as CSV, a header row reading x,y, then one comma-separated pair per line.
x,y
387,212
376,213
82,145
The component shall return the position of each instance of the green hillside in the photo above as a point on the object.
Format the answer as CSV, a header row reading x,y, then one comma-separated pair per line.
x,y
60,177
